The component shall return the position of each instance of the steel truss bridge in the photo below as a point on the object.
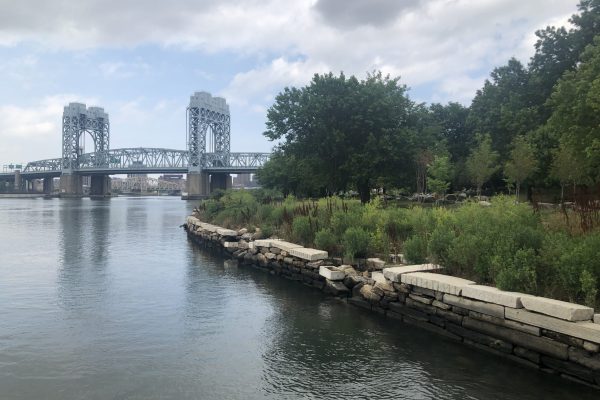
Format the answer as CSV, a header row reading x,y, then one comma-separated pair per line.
x,y
208,160
144,161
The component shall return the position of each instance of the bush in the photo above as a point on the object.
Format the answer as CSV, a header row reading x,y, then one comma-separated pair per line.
x,y
415,249
356,242
302,230
326,240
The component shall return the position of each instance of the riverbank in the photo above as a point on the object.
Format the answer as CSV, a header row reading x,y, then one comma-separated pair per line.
x,y
548,335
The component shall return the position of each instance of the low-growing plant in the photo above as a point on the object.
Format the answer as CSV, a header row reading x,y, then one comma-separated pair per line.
x,y
356,242
326,240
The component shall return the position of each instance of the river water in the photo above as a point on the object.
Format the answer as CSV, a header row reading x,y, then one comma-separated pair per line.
x,y
107,299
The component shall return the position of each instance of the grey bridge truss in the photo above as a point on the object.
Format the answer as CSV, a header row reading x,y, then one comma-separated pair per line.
x,y
208,140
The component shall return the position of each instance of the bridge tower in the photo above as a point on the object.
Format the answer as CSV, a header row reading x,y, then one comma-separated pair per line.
x,y
77,121
209,131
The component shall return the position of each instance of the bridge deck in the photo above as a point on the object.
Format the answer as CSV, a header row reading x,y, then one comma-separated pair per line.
x,y
144,161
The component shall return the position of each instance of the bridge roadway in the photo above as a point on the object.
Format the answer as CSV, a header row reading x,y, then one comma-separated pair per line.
x,y
144,161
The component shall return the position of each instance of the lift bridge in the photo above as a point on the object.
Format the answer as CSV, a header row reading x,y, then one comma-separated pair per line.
x,y
208,161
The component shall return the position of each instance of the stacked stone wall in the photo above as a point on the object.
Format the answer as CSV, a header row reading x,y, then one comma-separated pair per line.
x,y
553,336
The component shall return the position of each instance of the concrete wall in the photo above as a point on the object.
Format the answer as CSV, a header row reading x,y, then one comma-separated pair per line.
x,y
553,336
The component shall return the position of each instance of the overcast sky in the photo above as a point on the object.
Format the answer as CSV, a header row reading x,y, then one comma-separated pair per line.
x,y
142,59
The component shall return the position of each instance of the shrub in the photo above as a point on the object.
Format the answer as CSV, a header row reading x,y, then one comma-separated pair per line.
x,y
356,242
302,230
326,240
415,249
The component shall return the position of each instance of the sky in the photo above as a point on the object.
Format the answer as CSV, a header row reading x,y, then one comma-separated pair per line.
x,y
142,59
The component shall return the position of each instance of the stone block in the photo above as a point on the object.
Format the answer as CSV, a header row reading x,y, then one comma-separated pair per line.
x,y
430,327
226,232
366,291
532,330
583,330
449,316
378,277
441,305
597,318
582,357
493,295
420,306
424,292
536,343
330,272
283,245
308,254
394,273
421,299
561,337
474,305
231,245
441,283
557,308
481,338
209,227
409,312
336,288
591,347
270,256
569,368
527,354
262,243
375,263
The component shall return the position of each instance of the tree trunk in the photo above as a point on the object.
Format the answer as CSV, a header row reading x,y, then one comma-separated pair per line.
x,y
364,192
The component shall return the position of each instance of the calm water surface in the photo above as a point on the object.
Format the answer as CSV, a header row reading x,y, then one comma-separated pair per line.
x,y
108,300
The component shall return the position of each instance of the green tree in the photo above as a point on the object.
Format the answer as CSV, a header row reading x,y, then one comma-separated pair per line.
x,y
482,163
345,133
521,164
439,174
501,108
566,169
575,118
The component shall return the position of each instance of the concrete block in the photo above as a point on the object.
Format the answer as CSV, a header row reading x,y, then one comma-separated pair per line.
x,y
283,245
332,273
308,254
262,243
394,273
231,245
597,318
441,283
536,343
227,232
583,330
493,295
494,310
557,308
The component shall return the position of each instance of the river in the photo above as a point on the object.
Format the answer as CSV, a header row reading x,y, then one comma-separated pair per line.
x,y
107,299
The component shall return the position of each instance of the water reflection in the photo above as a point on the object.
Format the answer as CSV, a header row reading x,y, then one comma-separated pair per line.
x,y
108,300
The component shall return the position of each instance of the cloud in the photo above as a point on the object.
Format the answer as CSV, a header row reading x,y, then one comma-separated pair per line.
x,y
121,70
35,129
351,13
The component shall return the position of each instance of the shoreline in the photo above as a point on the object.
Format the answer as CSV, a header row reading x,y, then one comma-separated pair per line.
x,y
555,337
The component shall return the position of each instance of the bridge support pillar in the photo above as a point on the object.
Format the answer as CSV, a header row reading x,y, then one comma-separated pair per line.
x,y
220,181
197,186
48,185
18,181
100,186
71,185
